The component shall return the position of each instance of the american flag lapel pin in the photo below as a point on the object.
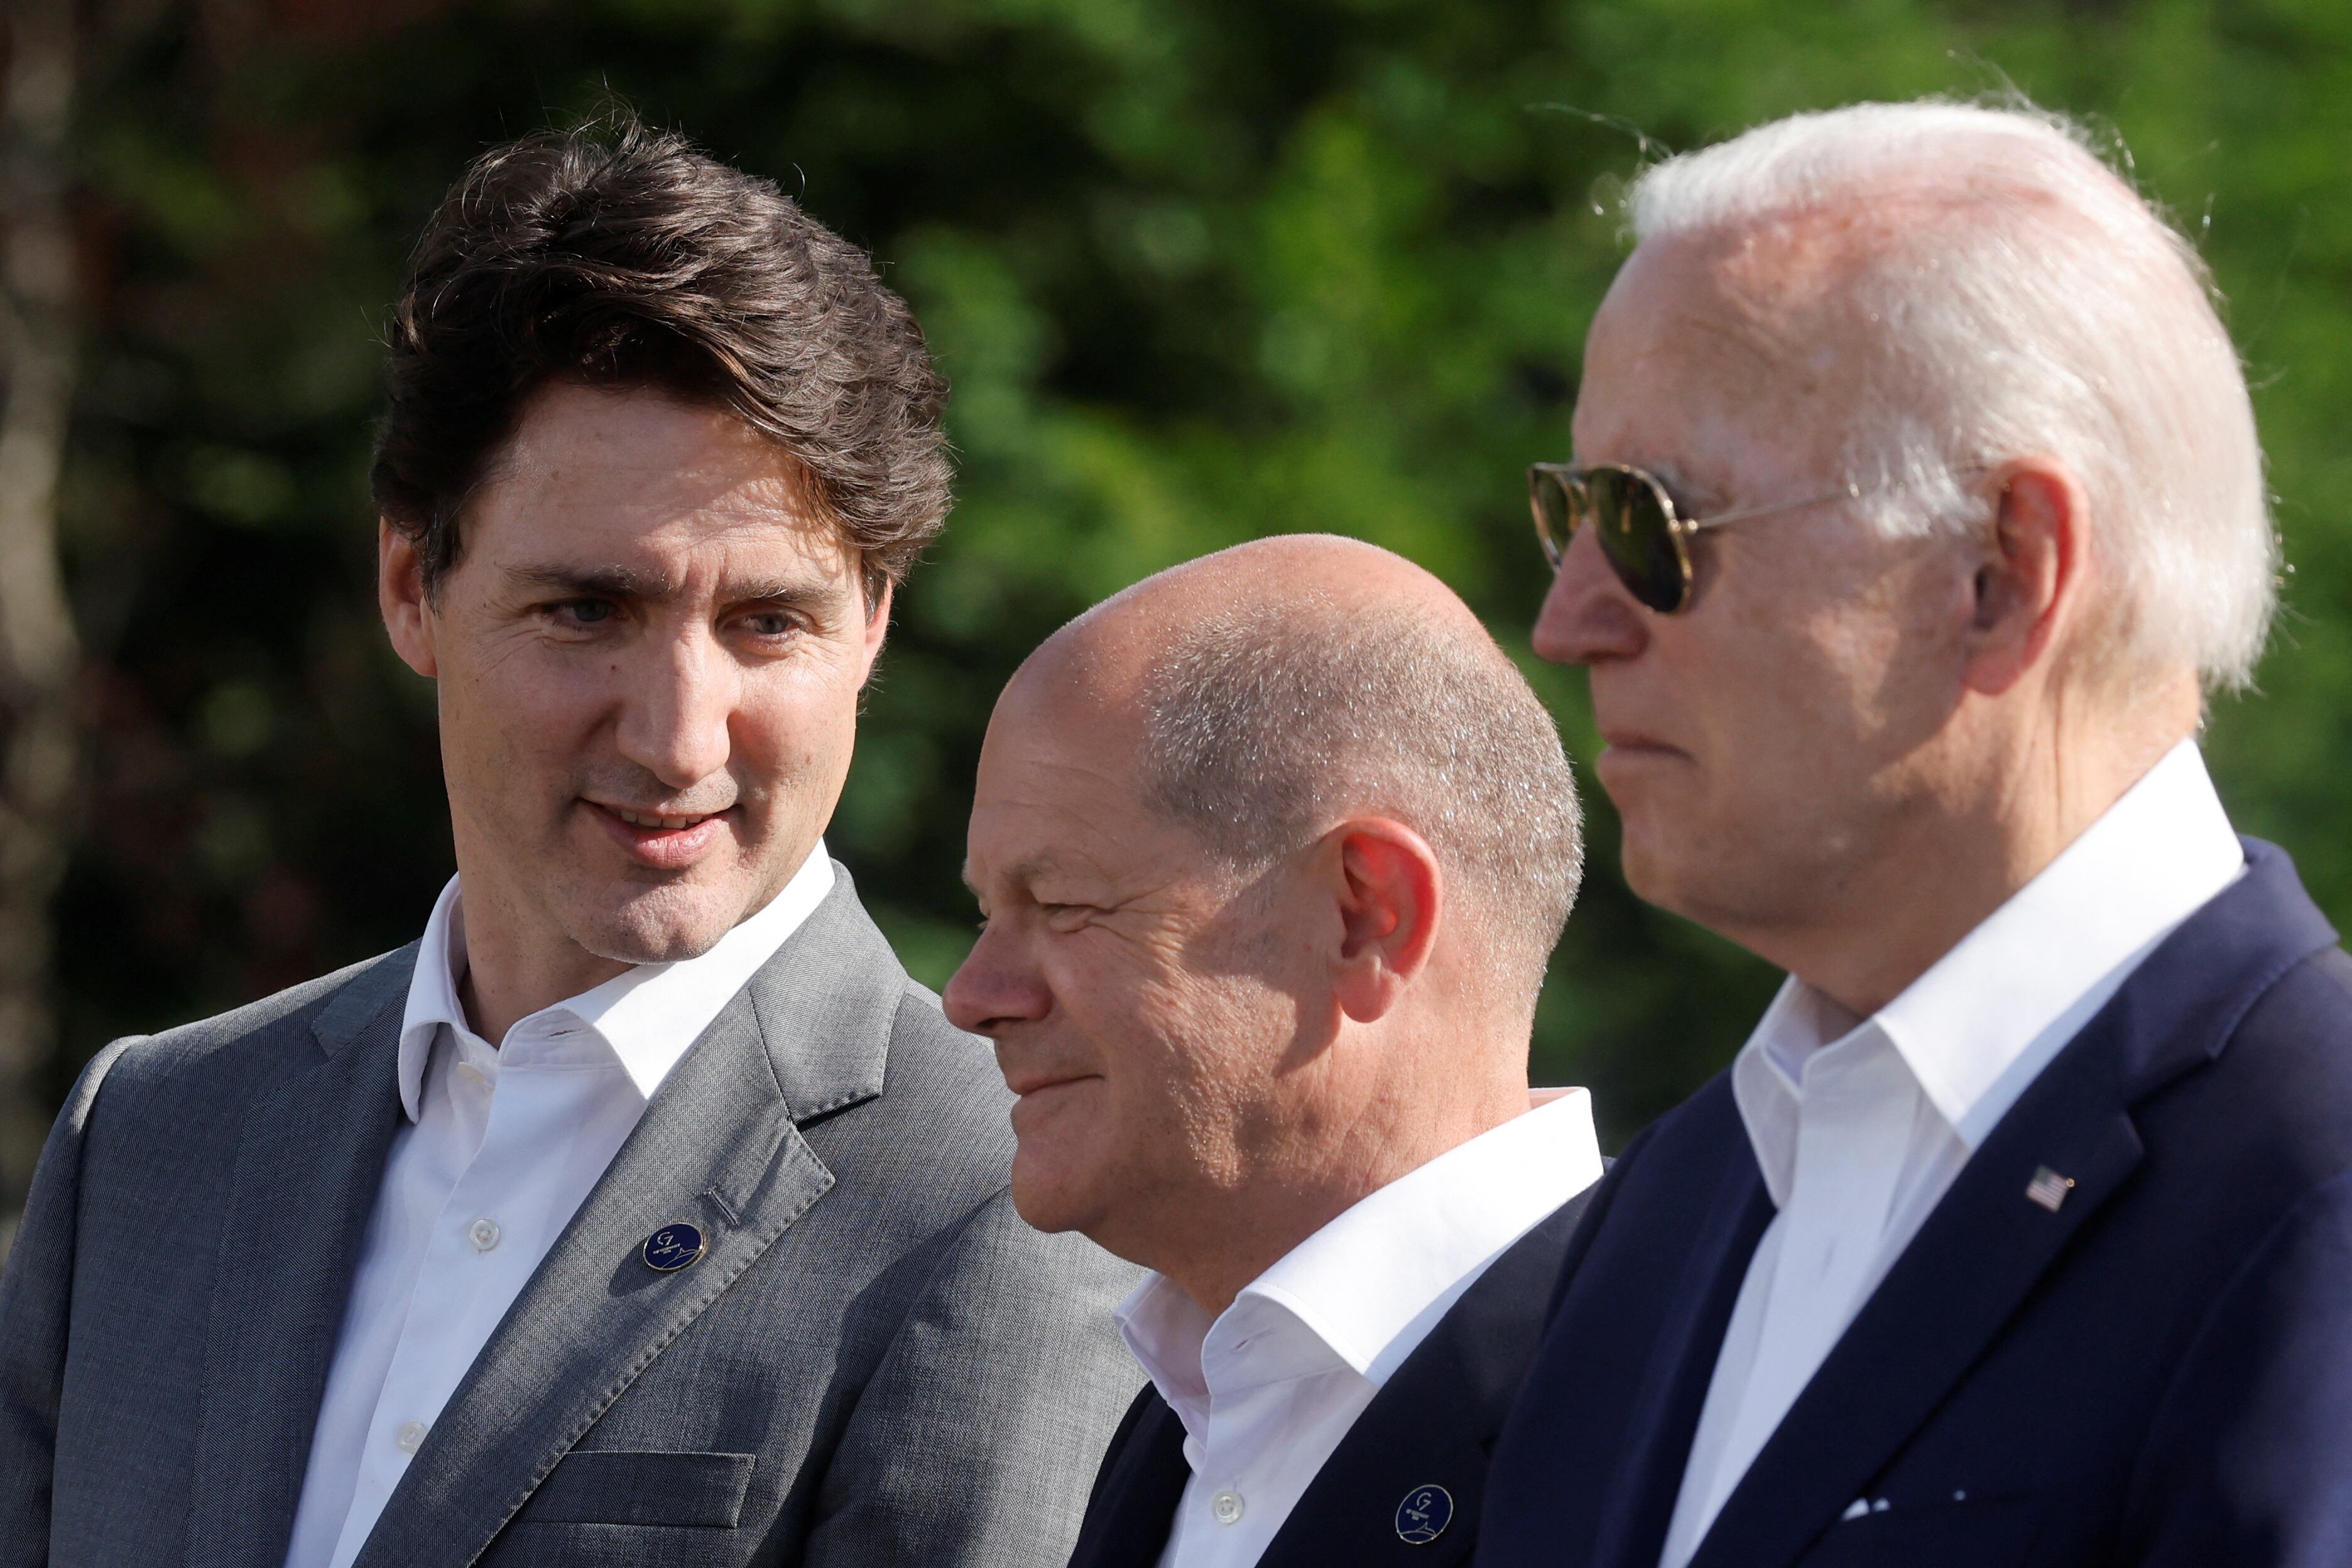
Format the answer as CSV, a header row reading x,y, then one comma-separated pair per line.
x,y
2048,1188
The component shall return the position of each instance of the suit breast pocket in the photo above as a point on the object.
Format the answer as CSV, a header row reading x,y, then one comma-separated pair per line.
x,y
1990,1533
593,1486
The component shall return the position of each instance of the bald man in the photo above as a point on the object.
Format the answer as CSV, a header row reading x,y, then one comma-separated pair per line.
x,y
1273,849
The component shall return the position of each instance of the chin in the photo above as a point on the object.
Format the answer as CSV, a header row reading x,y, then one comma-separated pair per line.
x,y
1647,871
1739,895
1690,884
662,925
1670,881
1043,1205
1053,1195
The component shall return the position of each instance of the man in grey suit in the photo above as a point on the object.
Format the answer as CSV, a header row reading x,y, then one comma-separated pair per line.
x,y
644,1211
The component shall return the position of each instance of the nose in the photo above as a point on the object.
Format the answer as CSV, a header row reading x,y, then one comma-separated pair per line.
x,y
1588,618
674,718
996,986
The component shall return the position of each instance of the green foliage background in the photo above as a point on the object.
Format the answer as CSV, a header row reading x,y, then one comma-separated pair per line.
x,y
1200,271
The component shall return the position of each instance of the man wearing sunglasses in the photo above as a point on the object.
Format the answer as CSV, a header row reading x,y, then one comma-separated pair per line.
x,y
1918,506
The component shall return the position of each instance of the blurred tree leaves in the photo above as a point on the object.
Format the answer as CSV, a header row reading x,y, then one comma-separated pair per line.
x,y
1200,271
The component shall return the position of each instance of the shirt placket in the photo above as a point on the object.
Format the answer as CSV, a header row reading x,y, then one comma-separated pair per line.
x,y
1244,1405
462,1267
1853,1126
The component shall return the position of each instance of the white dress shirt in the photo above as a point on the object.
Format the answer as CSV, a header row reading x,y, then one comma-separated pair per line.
x,y
1860,1126
1268,1390
500,1147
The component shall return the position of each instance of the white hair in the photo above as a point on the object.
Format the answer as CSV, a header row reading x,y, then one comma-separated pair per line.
x,y
2025,302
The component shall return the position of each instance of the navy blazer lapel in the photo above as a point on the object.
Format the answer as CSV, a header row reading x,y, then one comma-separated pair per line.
x,y
1988,1243
1633,1530
1143,1479
1971,1263
719,1146
1433,1425
309,1164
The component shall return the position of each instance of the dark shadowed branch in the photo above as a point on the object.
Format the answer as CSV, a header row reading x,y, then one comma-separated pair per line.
x,y
38,651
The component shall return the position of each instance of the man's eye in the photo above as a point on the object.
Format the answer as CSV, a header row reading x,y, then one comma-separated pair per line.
x,y
586,612
772,623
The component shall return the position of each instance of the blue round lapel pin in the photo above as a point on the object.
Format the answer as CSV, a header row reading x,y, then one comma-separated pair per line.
x,y
673,1247
1423,1515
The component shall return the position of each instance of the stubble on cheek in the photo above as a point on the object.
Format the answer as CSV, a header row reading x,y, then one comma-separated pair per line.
x,y
1233,1110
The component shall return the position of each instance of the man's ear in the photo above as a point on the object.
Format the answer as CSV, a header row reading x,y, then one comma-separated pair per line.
x,y
2029,573
878,627
400,593
1390,897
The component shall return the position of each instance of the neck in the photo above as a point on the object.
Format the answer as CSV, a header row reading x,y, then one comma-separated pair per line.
x,y
511,969
1989,831
1331,1159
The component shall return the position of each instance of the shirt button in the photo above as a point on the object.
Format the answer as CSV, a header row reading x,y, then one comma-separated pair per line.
x,y
1226,1507
410,1437
483,1233
468,1073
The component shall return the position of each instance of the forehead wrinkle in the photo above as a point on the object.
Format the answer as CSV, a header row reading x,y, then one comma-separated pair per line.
x,y
651,500
1048,861
1067,816
660,499
1690,344
1670,313
755,501
1058,795
1725,338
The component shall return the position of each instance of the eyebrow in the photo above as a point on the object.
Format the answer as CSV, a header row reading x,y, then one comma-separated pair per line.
x,y
1020,872
625,583
606,582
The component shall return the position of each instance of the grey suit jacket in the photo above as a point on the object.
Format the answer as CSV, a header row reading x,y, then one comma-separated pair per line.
x,y
875,1363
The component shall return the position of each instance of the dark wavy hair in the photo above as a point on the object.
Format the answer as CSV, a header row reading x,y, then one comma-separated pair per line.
x,y
612,255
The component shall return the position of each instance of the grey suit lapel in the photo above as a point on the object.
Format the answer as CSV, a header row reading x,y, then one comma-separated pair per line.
x,y
719,1147
310,1160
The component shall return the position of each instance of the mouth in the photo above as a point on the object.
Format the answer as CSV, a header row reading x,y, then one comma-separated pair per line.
x,y
664,841
1630,757
1636,743
1028,1084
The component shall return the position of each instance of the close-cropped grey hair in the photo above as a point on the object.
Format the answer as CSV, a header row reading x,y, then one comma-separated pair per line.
x,y
2023,301
1264,727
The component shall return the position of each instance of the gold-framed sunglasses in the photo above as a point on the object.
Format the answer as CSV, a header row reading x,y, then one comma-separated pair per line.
x,y
1645,538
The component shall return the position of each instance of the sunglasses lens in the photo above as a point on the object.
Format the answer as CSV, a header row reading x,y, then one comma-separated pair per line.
x,y
1631,516
1555,513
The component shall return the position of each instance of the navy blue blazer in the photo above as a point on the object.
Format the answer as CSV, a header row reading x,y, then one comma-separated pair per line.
x,y
2158,1372
1432,1426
